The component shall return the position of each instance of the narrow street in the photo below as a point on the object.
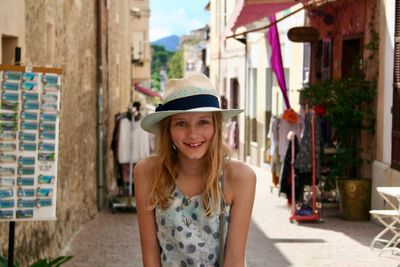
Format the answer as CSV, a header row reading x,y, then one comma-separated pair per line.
x,y
111,240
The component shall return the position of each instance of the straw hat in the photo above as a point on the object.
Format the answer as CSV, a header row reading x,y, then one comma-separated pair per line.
x,y
190,94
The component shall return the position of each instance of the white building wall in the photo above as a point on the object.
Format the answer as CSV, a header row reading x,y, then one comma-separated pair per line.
x,y
269,96
292,56
228,61
386,70
382,174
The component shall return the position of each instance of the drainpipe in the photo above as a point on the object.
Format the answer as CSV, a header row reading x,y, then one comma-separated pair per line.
x,y
99,111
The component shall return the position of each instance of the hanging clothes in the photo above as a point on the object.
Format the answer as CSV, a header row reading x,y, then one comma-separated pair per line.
x,y
285,127
134,142
114,147
134,145
303,163
273,136
287,176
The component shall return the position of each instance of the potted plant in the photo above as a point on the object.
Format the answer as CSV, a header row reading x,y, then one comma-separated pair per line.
x,y
55,262
349,112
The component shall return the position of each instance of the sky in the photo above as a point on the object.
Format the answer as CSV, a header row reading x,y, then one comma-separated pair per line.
x,y
176,17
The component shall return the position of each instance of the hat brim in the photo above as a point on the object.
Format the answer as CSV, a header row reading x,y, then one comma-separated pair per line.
x,y
151,122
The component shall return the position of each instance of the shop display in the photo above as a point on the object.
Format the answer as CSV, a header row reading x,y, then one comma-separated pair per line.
x,y
29,131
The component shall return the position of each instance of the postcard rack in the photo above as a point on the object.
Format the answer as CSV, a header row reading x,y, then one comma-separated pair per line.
x,y
29,131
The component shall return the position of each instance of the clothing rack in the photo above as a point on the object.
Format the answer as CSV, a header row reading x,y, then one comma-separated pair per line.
x,y
313,215
123,201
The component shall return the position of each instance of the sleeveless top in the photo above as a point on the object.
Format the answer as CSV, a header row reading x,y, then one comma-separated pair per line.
x,y
186,236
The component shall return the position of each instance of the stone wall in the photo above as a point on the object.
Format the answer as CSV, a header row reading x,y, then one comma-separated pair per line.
x,y
63,34
118,96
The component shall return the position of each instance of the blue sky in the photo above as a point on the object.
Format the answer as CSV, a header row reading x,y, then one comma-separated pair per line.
x,y
177,17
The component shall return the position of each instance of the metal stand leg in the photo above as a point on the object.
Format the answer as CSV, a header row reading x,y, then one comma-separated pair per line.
x,y
11,238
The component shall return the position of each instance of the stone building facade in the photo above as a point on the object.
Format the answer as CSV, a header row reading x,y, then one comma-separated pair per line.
x,y
91,42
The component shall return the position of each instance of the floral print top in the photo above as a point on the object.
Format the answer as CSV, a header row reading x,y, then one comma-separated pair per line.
x,y
186,236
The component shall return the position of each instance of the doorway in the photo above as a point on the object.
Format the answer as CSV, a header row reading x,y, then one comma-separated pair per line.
x,y
233,131
351,51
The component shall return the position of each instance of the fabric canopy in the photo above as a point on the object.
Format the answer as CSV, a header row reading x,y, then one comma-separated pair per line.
x,y
146,91
248,11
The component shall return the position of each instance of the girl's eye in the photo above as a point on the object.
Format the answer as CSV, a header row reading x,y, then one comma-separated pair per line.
x,y
204,122
180,123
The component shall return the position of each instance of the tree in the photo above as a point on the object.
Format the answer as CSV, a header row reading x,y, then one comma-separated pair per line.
x,y
175,66
159,62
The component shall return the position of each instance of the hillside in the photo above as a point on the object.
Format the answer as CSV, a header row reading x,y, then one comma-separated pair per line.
x,y
170,43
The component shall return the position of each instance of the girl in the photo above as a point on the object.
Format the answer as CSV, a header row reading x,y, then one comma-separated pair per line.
x,y
191,185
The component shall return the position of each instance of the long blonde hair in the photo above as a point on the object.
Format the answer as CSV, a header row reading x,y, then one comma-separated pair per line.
x,y
166,169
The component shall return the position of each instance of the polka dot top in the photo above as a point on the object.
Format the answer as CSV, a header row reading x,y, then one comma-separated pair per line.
x,y
186,236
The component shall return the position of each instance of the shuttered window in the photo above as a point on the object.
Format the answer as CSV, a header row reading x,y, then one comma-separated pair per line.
x,y
396,93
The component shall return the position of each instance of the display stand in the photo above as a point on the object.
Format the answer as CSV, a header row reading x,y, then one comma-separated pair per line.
x,y
29,130
314,215
122,202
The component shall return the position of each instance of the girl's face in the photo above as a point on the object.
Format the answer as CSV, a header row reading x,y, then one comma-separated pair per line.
x,y
192,133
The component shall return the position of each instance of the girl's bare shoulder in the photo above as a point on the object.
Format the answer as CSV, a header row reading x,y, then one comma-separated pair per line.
x,y
145,167
149,162
240,178
236,169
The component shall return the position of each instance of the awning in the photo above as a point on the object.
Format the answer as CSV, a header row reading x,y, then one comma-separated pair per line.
x,y
248,11
146,91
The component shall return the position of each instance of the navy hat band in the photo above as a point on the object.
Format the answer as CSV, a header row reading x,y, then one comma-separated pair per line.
x,y
190,102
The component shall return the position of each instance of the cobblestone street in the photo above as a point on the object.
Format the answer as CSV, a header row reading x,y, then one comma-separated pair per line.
x,y
111,240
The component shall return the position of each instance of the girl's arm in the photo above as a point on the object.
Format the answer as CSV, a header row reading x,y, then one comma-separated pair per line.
x,y
146,218
240,181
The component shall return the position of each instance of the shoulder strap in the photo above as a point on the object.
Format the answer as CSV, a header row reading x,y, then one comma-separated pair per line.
x,y
221,225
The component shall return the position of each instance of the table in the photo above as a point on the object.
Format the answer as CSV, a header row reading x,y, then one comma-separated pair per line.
x,y
390,218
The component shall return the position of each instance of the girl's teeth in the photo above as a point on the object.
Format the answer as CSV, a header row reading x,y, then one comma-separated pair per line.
x,y
194,145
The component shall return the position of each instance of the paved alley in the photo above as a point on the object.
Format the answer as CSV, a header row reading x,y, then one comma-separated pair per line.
x,y
111,240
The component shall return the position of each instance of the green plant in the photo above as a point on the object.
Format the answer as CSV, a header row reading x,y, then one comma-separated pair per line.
x,y
52,262
4,262
55,262
349,112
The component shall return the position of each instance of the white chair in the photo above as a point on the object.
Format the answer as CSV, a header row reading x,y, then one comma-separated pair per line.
x,y
391,234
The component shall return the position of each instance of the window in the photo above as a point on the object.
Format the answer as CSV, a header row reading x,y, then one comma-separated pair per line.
x,y
322,60
234,103
326,65
138,47
253,104
87,68
50,40
8,45
306,63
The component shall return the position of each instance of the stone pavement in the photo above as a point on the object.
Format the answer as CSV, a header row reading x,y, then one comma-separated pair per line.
x,y
112,240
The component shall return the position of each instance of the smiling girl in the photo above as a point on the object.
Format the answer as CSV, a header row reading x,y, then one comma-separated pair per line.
x,y
194,203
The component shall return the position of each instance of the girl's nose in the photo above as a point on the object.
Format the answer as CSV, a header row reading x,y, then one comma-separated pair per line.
x,y
191,131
